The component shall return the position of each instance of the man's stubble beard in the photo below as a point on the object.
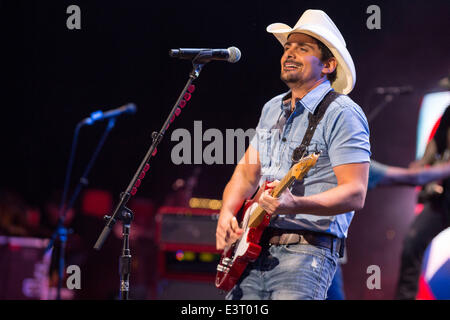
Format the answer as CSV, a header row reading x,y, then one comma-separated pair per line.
x,y
291,79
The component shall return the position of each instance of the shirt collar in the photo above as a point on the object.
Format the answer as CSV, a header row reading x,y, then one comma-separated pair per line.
x,y
310,101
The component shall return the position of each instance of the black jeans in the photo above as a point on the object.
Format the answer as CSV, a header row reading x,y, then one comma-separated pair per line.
x,y
431,221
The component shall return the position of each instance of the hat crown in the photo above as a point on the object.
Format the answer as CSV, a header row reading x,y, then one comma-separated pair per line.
x,y
320,19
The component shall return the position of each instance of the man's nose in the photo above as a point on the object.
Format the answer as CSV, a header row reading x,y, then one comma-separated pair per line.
x,y
289,53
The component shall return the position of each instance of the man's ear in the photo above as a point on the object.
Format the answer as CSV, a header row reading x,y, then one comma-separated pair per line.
x,y
329,66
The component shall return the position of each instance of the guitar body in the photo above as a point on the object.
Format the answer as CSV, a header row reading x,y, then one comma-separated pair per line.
x,y
243,251
236,257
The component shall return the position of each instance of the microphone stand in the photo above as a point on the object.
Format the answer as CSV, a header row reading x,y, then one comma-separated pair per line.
x,y
121,212
61,231
386,99
388,96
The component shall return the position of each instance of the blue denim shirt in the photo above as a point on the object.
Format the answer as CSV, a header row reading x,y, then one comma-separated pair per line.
x,y
342,136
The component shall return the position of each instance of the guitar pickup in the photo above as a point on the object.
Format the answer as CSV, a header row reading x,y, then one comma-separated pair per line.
x,y
227,262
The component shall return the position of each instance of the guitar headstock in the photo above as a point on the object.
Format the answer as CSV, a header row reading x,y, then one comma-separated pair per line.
x,y
301,168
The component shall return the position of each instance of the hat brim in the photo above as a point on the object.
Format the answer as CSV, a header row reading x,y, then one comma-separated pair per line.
x,y
346,75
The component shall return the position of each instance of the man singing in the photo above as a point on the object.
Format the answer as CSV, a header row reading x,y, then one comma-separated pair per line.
x,y
310,221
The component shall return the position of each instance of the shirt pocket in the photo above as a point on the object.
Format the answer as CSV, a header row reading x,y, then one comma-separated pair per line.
x,y
264,144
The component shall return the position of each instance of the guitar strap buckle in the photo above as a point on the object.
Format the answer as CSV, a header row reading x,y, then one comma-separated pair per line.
x,y
298,154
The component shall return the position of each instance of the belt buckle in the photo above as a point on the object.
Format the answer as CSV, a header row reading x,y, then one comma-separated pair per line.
x,y
274,240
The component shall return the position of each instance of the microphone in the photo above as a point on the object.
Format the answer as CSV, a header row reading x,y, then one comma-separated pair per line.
x,y
100,115
393,90
232,54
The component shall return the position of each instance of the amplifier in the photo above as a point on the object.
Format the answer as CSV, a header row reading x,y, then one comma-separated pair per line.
x,y
187,257
24,268
187,226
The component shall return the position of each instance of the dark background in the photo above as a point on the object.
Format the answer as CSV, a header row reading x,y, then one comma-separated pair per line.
x,y
52,77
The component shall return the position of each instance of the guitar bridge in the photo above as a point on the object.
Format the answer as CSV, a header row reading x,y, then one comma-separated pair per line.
x,y
222,268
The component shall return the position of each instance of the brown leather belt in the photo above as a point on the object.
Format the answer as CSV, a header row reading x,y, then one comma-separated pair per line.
x,y
274,236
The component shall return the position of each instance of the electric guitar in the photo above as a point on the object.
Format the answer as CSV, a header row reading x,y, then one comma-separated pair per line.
x,y
237,256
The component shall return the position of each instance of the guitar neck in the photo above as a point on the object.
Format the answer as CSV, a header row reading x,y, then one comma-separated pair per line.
x,y
297,172
286,182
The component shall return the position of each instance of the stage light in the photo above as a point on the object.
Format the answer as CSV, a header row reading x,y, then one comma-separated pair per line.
x,y
206,257
179,255
189,256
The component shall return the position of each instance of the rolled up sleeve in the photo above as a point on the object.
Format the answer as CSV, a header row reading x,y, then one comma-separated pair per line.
x,y
348,136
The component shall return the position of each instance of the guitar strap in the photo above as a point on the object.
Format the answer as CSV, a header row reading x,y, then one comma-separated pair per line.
x,y
314,120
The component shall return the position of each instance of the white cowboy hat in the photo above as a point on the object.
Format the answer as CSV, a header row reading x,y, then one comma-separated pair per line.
x,y
318,24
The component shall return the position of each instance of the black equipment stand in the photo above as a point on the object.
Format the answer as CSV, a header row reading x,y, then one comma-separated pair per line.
x,y
121,212
378,108
61,231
